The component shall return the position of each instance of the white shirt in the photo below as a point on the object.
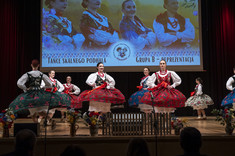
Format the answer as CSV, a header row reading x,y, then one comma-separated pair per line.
x,y
99,36
176,79
92,78
74,87
35,73
166,39
199,90
229,83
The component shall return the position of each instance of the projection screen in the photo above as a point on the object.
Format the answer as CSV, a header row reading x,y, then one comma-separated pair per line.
x,y
76,35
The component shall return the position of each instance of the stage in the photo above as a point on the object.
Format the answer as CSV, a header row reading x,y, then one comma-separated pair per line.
x,y
215,141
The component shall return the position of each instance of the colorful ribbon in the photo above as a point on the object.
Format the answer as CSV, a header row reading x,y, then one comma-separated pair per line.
x,y
100,87
162,84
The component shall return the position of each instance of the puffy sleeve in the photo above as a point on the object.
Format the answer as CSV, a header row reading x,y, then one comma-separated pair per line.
x,y
188,34
90,30
229,84
199,90
165,39
111,81
128,33
61,87
99,37
91,80
76,90
151,81
114,37
21,82
47,82
176,79
78,40
42,84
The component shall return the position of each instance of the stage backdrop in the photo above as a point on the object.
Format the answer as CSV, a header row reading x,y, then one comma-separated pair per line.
x,y
20,43
75,39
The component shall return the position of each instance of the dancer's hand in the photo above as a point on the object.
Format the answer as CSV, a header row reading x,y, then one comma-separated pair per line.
x,y
169,87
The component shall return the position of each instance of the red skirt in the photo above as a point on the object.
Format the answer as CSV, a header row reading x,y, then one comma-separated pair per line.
x,y
75,101
164,97
113,96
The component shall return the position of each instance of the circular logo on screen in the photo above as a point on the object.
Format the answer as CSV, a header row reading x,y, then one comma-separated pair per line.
x,y
121,51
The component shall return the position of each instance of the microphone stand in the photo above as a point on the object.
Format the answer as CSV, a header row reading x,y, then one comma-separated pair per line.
x,y
45,123
154,120
153,111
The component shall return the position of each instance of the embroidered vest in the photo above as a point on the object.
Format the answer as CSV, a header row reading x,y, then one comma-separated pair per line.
x,y
34,82
166,78
144,84
163,19
99,81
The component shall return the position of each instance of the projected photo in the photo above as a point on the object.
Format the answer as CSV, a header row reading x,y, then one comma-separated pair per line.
x,y
81,33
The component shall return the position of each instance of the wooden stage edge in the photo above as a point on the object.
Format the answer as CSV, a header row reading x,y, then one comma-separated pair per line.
x,y
215,141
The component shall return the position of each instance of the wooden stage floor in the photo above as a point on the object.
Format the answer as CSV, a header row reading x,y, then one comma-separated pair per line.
x,y
208,127
214,140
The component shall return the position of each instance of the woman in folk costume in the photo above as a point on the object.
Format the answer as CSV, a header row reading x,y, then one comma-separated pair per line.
x,y
34,97
133,29
134,100
103,93
172,29
58,32
165,97
198,100
229,100
72,90
96,28
59,91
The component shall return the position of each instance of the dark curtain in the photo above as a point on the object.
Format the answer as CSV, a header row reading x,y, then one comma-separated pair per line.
x,y
218,44
20,43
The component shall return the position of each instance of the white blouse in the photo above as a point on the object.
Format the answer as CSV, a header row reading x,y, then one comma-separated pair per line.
x,y
229,83
59,85
166,39
176,79
142,81
74,87
24,78
199,90
99,36
92,78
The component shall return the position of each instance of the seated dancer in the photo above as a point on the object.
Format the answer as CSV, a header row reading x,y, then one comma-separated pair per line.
x,y
229,100
72,90
132,28
103,92
165,97
198,100
96,28
34,98
134,100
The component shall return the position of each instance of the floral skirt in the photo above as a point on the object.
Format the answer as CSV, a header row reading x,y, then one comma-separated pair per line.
x,y
75,101
39,98
113,96
229,100
199,102
135,98
164,97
